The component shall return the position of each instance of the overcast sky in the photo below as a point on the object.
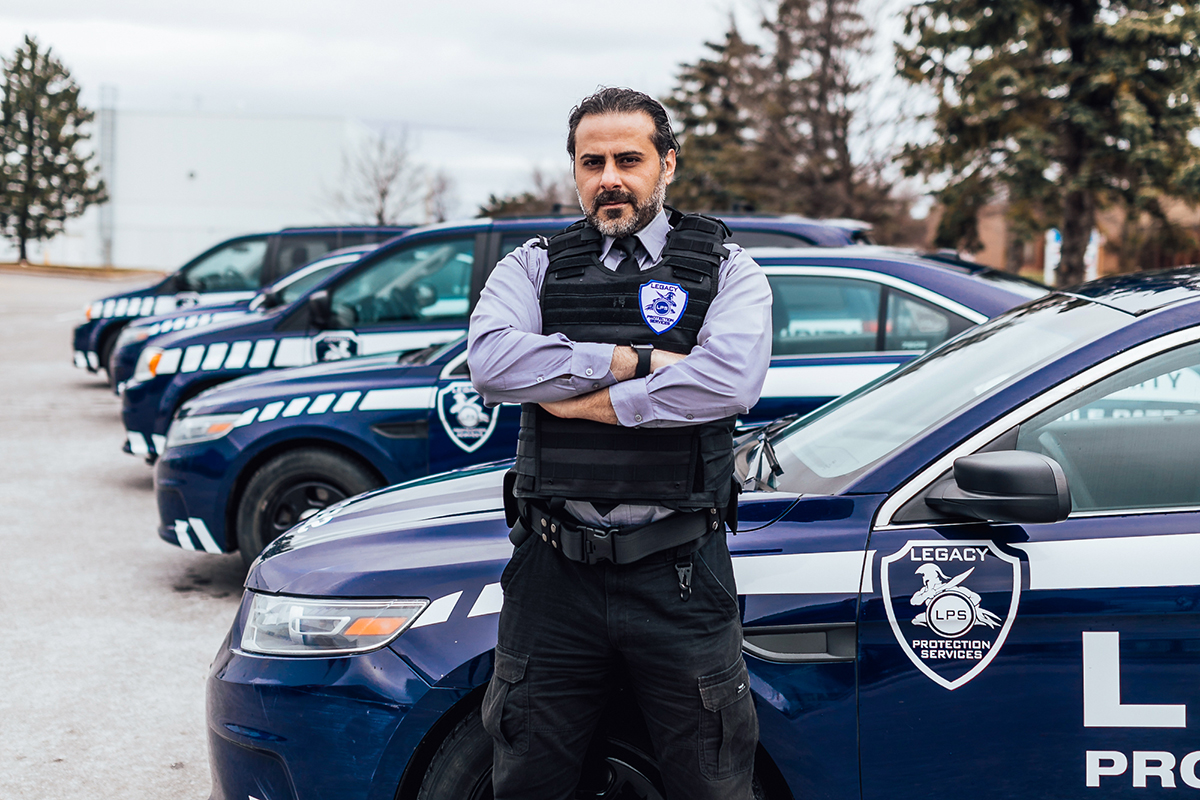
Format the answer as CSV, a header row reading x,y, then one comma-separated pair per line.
x,y
478,83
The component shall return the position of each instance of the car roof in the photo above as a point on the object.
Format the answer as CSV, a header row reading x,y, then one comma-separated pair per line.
x,y
1142,292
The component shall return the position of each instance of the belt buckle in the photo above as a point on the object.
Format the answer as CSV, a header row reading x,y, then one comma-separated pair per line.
x,y
598,544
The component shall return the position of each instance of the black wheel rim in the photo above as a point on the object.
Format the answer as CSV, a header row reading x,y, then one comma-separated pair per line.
x,y
624,773
296,503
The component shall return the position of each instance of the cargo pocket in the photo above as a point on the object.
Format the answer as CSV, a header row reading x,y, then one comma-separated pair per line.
x,y
506,703
728,723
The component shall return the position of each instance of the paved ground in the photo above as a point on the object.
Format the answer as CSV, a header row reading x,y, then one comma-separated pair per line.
x,y
107,631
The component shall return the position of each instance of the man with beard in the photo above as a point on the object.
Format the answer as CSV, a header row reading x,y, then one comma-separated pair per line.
x,y
633,339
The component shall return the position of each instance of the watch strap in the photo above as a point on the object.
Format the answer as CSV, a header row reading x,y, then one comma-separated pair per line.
x,y
644,351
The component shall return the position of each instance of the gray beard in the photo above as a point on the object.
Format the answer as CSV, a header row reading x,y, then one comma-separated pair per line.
x,y
643,213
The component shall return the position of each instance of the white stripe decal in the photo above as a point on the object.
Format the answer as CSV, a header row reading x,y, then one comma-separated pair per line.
x,y
109,305
238,354
148,306
438,611
215,356
803,573
163,304
169,361
346,402
97,309
270,411
192,358
321,404
491,598
1120,562
159,441
137,443
292,352
122,307
822,380
206,540
181,534
392,399
191,321
295,407
246,418
370,343
262,353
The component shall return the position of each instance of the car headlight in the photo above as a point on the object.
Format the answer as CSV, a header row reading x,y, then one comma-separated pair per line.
x,y
200,428
147,364
311,626
130,334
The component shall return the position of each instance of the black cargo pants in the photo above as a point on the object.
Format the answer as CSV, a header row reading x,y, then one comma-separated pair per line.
x,y
565,627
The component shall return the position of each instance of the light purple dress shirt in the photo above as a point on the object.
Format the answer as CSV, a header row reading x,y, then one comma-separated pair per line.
x,y
511,361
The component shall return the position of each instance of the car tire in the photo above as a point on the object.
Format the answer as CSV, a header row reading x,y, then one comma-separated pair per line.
x,y
461,769
107,346
292,487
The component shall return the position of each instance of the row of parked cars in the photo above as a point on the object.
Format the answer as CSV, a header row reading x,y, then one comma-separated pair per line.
x,y
1038,439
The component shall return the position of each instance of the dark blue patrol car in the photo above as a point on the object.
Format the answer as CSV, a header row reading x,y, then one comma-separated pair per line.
x,y
248,460
138,333
230,272
977,577
414,292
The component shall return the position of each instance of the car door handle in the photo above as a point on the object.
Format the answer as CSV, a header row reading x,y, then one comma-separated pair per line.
x,y
834,641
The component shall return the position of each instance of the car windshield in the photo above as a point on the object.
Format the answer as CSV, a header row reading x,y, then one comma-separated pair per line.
x,y
827,450
429,355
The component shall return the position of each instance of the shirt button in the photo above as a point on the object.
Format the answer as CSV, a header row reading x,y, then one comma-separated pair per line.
x,y
637,417
539,378
588,372
689,416
595,386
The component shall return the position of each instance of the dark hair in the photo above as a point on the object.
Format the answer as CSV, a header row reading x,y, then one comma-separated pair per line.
x,y
614,100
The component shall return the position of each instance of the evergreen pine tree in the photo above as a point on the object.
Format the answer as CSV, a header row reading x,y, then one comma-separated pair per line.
x,y
45,178
1061,107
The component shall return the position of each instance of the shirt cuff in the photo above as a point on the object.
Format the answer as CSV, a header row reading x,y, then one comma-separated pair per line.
x,y
631,402
592,361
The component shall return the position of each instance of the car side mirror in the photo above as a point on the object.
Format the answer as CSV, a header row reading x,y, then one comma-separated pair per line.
x,y
319,308
1005,486
269,299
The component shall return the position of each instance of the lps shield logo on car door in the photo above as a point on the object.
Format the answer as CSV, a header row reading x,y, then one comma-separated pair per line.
x,y
464,417
335,346
951,605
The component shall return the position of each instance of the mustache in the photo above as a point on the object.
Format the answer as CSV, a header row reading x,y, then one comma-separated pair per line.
x,y
613,196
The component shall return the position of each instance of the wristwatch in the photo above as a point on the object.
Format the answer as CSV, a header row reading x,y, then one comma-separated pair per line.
x,y
643,354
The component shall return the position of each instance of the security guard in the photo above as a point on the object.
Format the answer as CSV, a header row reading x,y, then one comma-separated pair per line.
x,y
633,339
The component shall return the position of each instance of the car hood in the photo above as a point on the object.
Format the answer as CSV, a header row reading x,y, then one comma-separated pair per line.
x,y
400,539
368,372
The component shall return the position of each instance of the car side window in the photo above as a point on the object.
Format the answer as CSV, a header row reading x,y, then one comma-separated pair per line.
x,y
1128,442
768,239
235,267
914,324
426,282
296,251
811,315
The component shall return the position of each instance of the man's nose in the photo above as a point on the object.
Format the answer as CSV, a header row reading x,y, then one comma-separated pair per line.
x,y
611,177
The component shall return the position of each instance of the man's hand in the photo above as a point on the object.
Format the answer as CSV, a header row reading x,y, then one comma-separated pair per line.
x,y
624,361
595,406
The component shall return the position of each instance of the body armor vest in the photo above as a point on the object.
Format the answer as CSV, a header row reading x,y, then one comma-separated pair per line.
x,y
684,468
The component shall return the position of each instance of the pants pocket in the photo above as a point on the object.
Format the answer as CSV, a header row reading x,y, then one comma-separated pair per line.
x,y
728,723
506,702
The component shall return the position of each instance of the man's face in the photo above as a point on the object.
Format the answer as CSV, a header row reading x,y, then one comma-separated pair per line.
x,y
620,179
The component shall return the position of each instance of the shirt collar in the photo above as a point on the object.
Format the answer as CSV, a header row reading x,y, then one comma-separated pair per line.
x,y
653,238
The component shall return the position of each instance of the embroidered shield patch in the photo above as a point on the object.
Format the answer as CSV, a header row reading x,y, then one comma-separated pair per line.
x,y
461,410
953,605
662,304
335,346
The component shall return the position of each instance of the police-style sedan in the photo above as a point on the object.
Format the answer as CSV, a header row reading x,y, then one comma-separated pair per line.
x,y
413,292
976,577
245,462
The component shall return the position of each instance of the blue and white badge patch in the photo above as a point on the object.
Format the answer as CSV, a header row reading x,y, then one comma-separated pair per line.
x,y
951,605
461,410
335,346
662,304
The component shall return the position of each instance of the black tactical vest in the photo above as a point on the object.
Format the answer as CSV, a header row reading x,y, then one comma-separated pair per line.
x,y
684,468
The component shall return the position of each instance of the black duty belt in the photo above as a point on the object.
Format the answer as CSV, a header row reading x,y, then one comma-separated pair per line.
x,y
590,545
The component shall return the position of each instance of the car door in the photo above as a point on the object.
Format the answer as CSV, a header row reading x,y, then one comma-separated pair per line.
x,y
462,430
1059,659
835,329
413,297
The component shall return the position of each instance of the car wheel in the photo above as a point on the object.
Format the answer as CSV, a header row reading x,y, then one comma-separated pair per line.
x,y
461,769
291,488
107,346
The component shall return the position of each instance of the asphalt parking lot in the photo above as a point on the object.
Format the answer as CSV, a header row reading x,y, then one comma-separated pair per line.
x,y
108,631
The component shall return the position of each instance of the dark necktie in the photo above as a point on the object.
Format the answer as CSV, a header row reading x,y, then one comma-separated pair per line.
x,y
629,264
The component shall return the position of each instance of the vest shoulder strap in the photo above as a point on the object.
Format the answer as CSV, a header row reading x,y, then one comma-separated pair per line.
x,y
573,249
695,246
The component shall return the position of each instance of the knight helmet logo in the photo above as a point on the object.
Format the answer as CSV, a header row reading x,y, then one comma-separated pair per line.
x,y
461,410
662,304
335,346
944,602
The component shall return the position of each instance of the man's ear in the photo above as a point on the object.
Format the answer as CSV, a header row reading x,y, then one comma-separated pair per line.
x,y
669,165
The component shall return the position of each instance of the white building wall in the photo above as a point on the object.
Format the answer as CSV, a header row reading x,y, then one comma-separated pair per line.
x,y
182,182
